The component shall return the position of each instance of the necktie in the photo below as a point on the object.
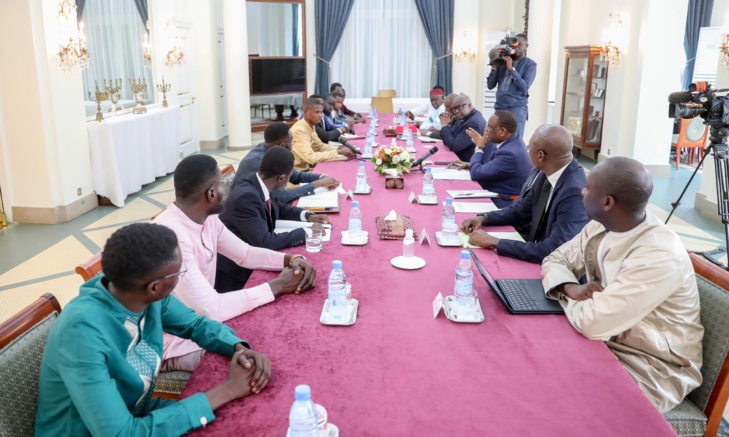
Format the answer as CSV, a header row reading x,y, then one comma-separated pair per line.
x,y
539,213
270,212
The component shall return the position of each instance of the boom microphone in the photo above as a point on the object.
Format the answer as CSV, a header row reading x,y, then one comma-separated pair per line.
x,y
420,160
346,144
680,97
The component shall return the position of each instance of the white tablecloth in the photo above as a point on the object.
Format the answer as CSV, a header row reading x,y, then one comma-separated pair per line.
x,y
131,150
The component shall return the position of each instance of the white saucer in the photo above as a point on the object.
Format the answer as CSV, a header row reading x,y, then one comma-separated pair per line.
x,y
355,242
332,430
423,201
368,190
411,263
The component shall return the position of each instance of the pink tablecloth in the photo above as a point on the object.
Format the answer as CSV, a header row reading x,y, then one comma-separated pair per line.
x,y
398,371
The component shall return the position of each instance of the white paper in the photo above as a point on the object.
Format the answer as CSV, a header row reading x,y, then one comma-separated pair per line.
x,y
283,226
500,235
424,237
437,304
321,201
474,207
471,194
353,136
424,139
391,217
450,174
339,190
350,194
411,197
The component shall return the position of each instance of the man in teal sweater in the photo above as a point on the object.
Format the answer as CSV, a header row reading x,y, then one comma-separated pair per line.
x,y
105,350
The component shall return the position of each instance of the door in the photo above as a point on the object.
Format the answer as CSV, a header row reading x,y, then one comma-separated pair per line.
x,y
189,140
222,102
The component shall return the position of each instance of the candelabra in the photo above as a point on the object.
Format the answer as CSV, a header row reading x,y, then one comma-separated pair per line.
x,y
164,88
138,87
113,88
100,97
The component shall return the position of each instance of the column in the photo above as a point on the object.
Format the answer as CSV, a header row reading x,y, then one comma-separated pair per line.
x,y
540,50
236,74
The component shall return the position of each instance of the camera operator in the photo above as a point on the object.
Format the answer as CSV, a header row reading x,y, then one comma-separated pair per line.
x,y
514,74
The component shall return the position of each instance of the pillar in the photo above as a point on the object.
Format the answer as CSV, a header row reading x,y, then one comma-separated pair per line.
x,y
236,74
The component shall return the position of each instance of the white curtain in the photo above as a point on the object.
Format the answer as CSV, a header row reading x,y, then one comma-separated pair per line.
x,y
270,29
114,37
383,47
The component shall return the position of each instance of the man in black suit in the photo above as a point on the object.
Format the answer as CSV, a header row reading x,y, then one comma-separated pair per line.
x,y
550,212
251,215
453,133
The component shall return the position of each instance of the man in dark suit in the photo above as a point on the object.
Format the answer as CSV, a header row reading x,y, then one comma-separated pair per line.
x,y
501,163
551,209
454,135
251,215
279,134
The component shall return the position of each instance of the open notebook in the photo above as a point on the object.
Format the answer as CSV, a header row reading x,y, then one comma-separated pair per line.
x,y
289,225
500,235
474,207
322,202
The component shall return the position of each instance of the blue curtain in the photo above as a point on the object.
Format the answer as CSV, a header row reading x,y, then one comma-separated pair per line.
x,y
331,17
79,8
295,36
699,15
437,18
142,8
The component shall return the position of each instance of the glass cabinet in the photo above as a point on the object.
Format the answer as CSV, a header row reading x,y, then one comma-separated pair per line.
x,y
583,95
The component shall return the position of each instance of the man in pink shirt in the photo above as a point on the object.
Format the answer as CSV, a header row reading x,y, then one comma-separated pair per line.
x,y
193,216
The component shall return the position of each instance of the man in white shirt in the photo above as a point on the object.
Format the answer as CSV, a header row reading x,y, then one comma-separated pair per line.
x,y
641,296
427,116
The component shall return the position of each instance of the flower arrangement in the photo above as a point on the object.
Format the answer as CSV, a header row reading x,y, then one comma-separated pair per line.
x,y
391,157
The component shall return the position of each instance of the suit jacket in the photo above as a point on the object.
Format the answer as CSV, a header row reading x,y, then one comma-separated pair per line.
x,y
326,135
252,162
565,216
503,170
245,214
648,312
457,140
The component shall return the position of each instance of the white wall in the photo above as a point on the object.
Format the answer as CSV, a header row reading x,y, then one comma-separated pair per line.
x,y
465,73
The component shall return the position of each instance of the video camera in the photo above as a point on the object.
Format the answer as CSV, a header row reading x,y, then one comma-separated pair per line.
x,y
509,46
700,100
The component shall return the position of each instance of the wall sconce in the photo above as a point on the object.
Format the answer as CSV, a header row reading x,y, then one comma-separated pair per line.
x,y
465,53
74,52
175,57
610,51
147,52
724,50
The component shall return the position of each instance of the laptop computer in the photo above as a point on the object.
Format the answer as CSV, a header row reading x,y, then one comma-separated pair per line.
x,y
519,296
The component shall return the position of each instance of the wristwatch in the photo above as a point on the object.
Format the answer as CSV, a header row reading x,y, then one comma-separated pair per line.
x,y
307,215
294,257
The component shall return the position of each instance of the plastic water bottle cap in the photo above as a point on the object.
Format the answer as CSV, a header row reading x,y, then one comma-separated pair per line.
x,y
355,203
361,164
302,392
449,200
428,169
336,264
465,254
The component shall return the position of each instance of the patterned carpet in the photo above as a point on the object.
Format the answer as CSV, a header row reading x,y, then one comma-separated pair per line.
x,y
723,429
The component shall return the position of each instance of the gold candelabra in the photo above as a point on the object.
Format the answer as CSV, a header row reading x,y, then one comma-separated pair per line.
x,y
100,97
113,88
138,87
164,88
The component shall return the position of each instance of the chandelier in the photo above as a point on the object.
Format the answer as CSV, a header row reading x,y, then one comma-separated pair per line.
x,y
73,52
147,52
724,50
175,57
610,51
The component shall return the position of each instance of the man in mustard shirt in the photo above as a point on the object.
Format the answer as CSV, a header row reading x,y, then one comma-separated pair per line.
x,y
308,149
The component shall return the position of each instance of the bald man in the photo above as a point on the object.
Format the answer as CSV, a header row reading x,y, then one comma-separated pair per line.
x,y
308,149
641,297
550,212
454,135
445,118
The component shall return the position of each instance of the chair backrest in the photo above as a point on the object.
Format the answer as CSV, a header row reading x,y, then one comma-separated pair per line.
x,y
383,104
711,396
23,338
228,173
692,132
90,268
387,93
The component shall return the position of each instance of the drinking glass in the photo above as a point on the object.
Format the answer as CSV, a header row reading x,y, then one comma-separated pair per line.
x,y
313,240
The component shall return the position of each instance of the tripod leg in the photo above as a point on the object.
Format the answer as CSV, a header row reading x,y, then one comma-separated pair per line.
x,y
675,204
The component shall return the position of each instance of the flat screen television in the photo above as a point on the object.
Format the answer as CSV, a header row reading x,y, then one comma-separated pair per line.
x,y
277,75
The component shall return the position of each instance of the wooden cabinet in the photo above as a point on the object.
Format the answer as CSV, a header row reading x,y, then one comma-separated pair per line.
x,y
583,95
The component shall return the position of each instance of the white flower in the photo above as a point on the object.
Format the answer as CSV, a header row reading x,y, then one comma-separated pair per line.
x,y
378,162
404,156
388,151
395,159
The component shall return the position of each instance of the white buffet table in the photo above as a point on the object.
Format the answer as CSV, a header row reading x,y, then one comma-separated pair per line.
x,y
131,150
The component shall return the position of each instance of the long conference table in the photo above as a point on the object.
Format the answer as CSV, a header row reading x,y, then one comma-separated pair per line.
x,y
398,371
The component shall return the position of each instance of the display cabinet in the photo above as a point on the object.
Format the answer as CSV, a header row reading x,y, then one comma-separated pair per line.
x,y
583,95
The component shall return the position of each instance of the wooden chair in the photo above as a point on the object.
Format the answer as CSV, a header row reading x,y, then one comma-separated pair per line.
x,y
701,412
383,104
23,338
387,93
692,135
90,268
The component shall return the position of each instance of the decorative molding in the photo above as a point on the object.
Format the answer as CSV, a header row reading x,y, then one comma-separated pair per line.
x,y
55,215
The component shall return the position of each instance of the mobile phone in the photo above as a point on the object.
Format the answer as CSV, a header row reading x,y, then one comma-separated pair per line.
x,y
442,162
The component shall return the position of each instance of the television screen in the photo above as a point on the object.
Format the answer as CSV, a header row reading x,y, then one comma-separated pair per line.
x,y
277,75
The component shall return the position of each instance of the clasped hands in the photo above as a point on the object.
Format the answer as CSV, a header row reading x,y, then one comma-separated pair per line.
x,y
476,235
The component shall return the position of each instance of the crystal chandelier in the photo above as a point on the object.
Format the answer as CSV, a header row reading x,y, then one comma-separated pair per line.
x,y
73,52
724,50
175,57
147,54
610,51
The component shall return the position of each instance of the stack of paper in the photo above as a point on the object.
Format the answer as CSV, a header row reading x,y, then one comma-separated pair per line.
x,y
322,202
500,235
474,208
353,137
339,189
450,174
470,194
289,225
424,139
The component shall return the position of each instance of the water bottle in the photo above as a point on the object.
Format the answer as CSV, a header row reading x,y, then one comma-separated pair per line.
x,y
355,221
408,138
428,187
374,111
361,179
302,418
400,117
368,144
450,228
464,279
408,244
372,130
338,310
370,111
393,143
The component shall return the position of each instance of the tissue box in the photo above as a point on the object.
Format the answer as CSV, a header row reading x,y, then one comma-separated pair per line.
x,y
411,127
394,182
394,230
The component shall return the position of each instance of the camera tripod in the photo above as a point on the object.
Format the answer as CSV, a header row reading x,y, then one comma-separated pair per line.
x,y
720,150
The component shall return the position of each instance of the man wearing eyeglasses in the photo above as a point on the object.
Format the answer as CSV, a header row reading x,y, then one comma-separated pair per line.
x,y
454,135
551,210
199,197
279,134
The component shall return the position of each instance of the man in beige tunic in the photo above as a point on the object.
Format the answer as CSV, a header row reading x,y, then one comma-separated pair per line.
x,y
308,149
641,296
